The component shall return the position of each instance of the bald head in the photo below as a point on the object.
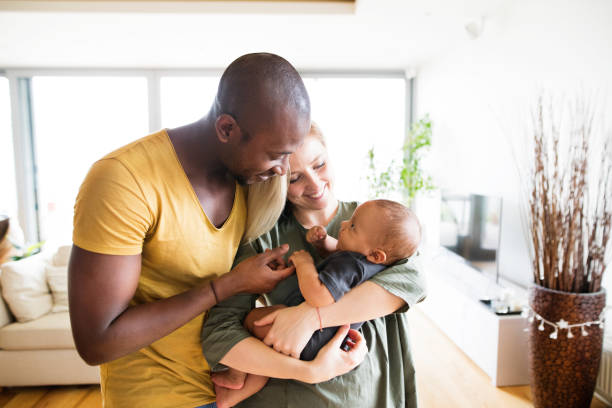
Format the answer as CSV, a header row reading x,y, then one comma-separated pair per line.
x,y
261,115
257,88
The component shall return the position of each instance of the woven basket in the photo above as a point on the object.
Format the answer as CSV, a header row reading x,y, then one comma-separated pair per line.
x,y
564,370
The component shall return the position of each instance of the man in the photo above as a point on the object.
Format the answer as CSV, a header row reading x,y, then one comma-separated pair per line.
x,y
157,224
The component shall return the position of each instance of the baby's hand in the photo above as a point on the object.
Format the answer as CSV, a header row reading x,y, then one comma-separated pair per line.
x,y
316,235
276,264
301,257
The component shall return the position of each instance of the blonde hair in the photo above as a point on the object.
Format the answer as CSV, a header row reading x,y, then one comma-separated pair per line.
x,y
316,132
265,203
266,200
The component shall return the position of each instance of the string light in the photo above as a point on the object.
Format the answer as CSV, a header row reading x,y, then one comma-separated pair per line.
x,y
562,324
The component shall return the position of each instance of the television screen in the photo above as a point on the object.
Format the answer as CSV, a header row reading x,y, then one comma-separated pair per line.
x,y
470,226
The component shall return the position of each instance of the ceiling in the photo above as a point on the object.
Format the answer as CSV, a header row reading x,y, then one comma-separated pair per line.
x,y
371,35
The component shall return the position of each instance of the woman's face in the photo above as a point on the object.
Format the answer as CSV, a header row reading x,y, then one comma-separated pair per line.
x,y
311,180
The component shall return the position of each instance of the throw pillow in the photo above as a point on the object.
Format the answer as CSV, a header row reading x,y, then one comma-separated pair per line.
x,y
24,287
62,256
57,278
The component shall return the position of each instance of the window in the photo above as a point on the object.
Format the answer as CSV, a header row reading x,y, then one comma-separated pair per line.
x,y
78,120
8,195
186,99
356,114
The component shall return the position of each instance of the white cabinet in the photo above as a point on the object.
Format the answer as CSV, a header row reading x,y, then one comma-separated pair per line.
x,y
497,344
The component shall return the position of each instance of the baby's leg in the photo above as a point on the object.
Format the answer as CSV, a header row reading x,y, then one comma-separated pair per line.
x,y
230,378
233,386
228,398
259,332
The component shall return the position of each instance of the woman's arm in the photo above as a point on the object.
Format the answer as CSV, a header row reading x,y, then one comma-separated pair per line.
x,y
226,341
252,356
389,291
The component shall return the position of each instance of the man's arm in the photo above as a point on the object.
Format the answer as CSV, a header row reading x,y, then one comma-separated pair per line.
x,y
100,288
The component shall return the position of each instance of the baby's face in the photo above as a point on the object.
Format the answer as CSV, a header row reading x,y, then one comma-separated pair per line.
x,y
362,231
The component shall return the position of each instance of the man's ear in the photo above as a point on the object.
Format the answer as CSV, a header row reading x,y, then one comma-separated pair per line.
x,y
226,128
377,256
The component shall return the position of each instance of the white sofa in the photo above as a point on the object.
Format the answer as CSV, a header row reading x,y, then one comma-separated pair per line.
x,y
40,350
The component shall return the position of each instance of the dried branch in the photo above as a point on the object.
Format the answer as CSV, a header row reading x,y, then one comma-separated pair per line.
x,y
570,215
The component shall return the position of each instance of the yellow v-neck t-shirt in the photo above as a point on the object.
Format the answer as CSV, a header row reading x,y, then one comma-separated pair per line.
x,y
138,200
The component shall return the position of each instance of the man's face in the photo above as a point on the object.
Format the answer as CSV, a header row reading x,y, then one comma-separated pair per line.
x,y
265,154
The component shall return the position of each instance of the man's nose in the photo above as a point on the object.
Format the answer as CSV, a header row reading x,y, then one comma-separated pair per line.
x,y
280,170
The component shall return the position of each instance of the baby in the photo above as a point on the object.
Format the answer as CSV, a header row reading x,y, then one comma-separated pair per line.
x,y
380,233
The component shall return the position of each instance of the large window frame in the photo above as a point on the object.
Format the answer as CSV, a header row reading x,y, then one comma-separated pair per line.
x,y
24,138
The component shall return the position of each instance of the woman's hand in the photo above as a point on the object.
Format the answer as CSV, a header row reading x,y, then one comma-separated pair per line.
x,y
332,361
291,328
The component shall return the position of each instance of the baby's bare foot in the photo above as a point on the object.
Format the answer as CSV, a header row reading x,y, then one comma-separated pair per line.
x,y
232,379
223,396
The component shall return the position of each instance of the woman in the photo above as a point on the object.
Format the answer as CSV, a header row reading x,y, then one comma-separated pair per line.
x,y
386,377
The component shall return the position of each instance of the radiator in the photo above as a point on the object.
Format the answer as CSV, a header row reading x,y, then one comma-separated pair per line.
x,y
603,388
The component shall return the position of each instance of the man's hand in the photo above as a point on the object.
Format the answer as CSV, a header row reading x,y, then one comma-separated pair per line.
x,y
332,361
257,274
316,235
278,263
301,257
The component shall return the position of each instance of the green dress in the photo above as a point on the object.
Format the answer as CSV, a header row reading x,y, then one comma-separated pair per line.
x,y
385,378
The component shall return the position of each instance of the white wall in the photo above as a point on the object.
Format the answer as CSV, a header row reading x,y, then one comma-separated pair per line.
x,y
377,35
478,96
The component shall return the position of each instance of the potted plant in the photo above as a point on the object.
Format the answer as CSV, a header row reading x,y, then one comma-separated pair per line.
x,y
569,219
405,176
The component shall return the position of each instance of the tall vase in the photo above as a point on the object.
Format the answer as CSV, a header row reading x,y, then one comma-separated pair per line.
x,y
563,368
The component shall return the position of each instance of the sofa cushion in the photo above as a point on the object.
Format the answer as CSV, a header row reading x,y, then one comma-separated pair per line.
x,y
51,331
5,315
57,279
61,256
20,368
24,287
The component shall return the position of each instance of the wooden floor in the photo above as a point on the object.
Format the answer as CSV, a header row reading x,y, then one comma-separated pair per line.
x,y
85,396
446,378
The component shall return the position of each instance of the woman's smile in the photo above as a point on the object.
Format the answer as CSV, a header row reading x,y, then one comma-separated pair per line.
x,y
319,195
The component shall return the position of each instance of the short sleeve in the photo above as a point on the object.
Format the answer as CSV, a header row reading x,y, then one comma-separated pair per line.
x,y
405,280
111,215
340,273
223,328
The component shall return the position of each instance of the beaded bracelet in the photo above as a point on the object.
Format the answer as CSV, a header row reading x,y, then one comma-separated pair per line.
x,y
320,321
212,287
